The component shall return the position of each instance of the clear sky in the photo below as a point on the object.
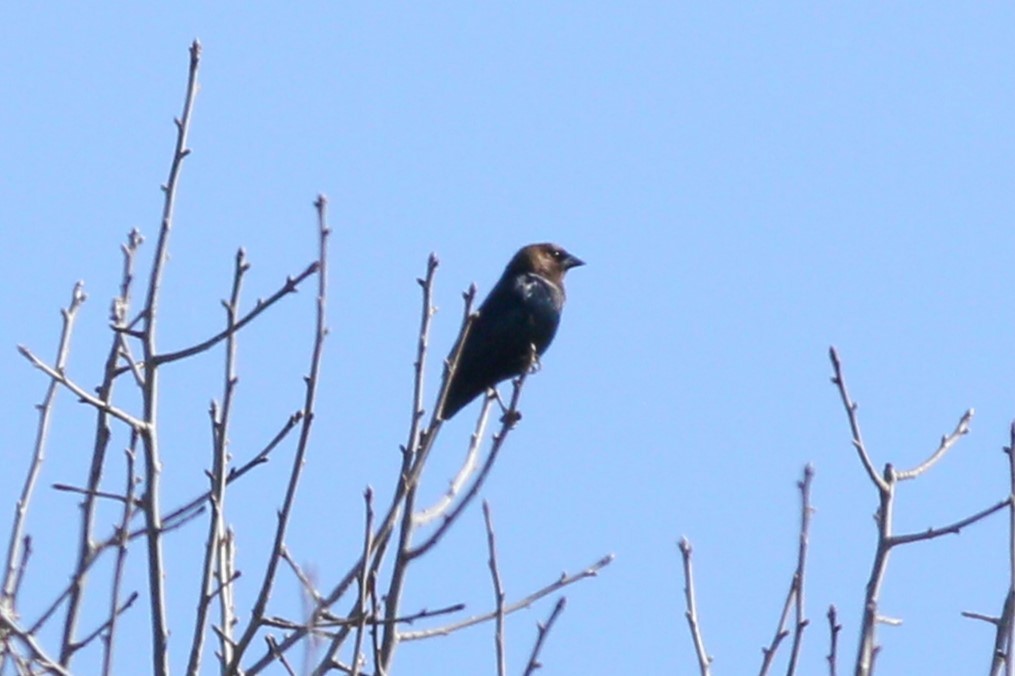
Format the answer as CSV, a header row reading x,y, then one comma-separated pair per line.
x,y
749,184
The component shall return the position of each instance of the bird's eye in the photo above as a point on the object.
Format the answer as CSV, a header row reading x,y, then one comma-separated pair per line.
x,y
557,253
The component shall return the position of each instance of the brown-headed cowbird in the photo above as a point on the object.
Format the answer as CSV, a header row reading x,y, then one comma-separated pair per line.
x,y
522,310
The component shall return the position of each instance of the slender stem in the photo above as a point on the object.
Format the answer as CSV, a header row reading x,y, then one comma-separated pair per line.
x,y
833,644
260,605
394,511
854,422
150,393
544,631
947,441
290,286
498,591
365,582
509,608
1009,615
801,622
121,554
691,612
14,546
219,476
100,445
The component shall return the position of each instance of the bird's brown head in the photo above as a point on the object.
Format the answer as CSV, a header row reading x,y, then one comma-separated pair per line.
x,y
546,260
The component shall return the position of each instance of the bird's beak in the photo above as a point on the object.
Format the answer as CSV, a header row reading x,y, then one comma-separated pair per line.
x,y
572,262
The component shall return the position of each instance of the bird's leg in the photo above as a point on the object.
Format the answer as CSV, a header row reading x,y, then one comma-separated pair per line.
x,y
534,363
505,410
493,393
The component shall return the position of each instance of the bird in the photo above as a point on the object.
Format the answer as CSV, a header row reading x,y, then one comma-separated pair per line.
x,y
521,312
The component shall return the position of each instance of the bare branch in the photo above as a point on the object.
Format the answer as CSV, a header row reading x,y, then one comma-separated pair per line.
x,y
508,422
116,497
150,392
26,547
218,476
854,422
290,286
801,622
439,508
225,575
305,581
366,584
509,608
15,555
9,626
260,605
950,529
833,631
186,511
100,444
961,429
414,457
105,625
691,613
795,596
129,505
544,631
498,592
80,392
419,366
279,655
373,619
1004,642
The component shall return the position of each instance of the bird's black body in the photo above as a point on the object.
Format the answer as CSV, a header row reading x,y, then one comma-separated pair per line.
x,y
522,310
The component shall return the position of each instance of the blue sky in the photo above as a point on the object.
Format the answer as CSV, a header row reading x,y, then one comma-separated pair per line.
x,y
749,184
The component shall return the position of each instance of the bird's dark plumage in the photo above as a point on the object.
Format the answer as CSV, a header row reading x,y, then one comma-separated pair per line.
x,y
523,309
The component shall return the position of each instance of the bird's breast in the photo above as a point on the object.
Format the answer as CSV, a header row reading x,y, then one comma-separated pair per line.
x,y
543,302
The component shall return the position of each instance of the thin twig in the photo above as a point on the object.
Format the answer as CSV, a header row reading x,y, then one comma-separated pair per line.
x,y
394,511
833,631
508,422
801,622
290,286
80,392
498,592
372,619
260,605
10,628
498,442
563,581
26,556
305,582
130,455
691,612
886,484
105,625
105,545
186,511
225,575
116,497
273,649
795,596
414,460
150,392
465,472
854,422
544,631
365,580
961,429
14,547
1006,630
218,476
100,444
950,529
